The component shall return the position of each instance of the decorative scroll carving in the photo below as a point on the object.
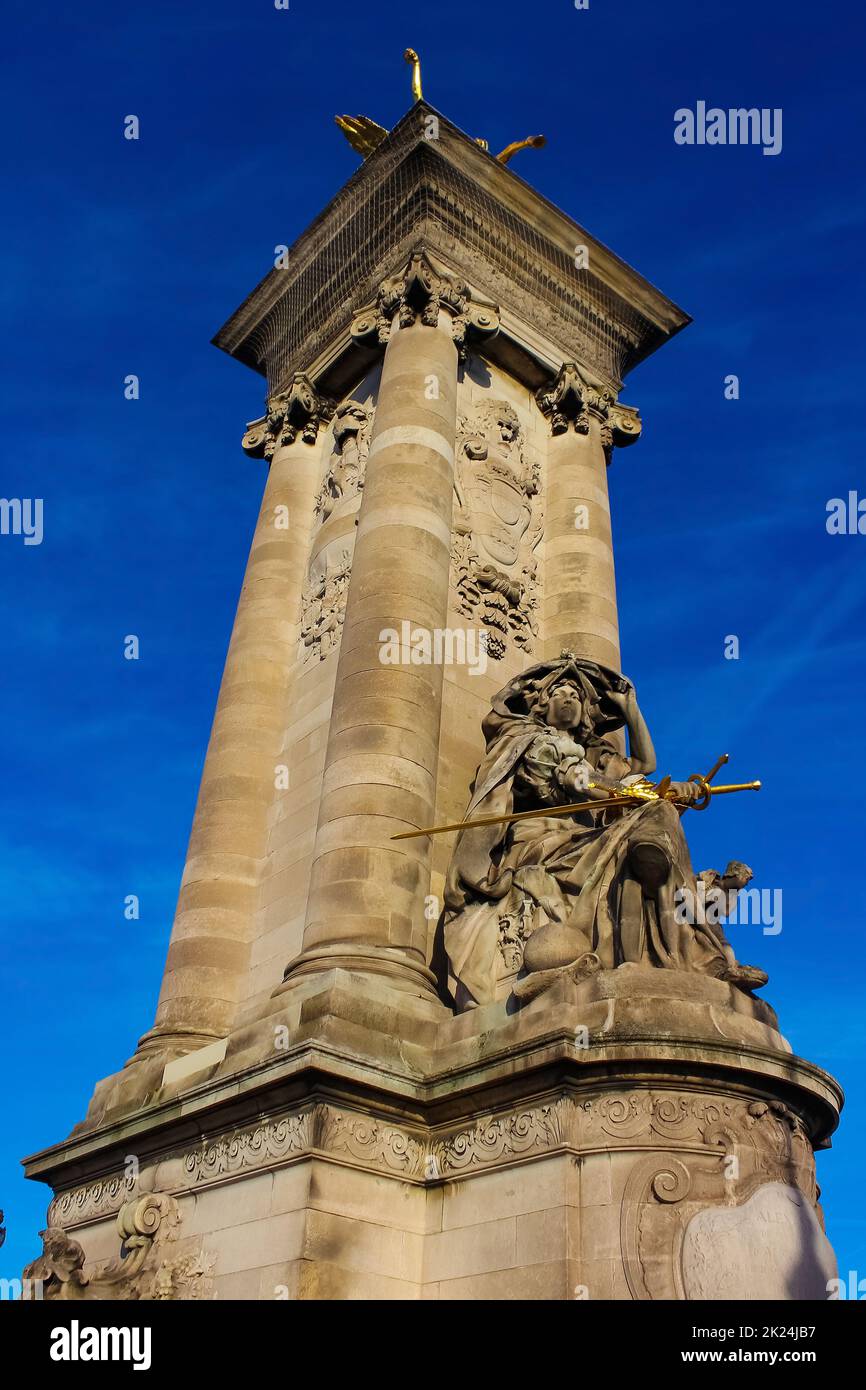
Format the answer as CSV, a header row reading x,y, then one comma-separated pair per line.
x,y
499,1138
572,401
416,295
496,529
652,1261
254,1149
323,603
145,1271
100,1198
320,1129
344,479
297,410
707,1151
381,1145
759,1144
622,427
769,1140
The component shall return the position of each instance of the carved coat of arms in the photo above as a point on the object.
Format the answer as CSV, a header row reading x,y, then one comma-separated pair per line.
x,y
497,527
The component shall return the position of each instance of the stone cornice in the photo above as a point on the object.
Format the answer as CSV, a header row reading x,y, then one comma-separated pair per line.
x,y
501,236
446,1099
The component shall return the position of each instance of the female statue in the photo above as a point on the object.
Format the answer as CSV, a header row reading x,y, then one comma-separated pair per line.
x,y
604,884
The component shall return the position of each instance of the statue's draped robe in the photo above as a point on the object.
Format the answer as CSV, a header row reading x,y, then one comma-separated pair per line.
x,y
573,868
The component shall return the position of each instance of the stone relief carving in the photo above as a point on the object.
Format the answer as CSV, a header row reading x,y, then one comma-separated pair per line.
x,y
383,1145
514,930
760,1147
344,478
321,1129
253,1149
722,1150
99,1198
574,398
774,1133
416,294
501,1138
323,597
297,410
497,527
323,603
145,1270
768,1137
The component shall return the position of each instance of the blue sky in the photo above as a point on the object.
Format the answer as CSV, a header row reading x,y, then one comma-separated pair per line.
x,y
125,257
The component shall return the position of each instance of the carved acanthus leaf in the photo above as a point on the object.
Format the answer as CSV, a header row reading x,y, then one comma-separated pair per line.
x,y
416,295
297,410
573,399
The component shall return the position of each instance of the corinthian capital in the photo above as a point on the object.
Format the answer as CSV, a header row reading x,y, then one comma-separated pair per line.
x,y
297,410
415,295
574,399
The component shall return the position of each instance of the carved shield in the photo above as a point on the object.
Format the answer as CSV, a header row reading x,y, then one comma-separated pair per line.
x,y
500,515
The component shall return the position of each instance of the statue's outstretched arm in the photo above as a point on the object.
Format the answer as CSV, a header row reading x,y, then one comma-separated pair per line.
x,y
642,754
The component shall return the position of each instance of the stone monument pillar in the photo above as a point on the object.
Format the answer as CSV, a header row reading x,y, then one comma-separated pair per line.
x,y
580,588
208,957
366,902
511,1059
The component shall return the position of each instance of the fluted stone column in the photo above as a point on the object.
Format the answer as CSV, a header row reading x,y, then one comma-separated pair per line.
x,y
580,611
206,969
366,902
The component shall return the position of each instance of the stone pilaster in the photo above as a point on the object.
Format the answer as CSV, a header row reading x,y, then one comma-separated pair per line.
x,y
580,587
206,969
366,903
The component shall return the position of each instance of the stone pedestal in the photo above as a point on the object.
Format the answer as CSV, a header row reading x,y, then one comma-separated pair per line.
x,y
634,1136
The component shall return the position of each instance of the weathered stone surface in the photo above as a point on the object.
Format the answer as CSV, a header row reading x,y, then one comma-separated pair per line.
x,y
772,1247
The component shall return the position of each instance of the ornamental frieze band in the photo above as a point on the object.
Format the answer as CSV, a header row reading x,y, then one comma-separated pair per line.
x,y
771,1132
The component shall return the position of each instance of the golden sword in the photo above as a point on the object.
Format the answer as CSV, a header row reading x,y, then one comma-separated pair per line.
x,y
643,792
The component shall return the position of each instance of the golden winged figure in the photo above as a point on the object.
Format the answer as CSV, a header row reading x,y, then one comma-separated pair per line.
x,y
365,134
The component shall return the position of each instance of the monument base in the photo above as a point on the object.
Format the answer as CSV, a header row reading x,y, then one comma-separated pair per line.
x,y
641,1134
